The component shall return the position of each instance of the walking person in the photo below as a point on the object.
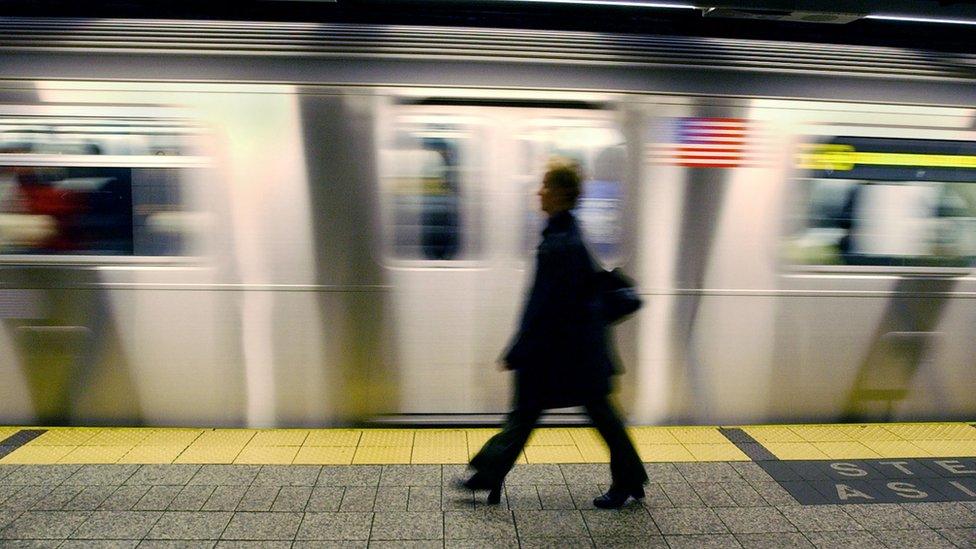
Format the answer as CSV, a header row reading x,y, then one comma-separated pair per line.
x,y
560,353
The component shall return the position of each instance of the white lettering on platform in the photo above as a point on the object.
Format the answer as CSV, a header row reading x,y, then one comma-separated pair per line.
x,y
845,492
848,469
907,490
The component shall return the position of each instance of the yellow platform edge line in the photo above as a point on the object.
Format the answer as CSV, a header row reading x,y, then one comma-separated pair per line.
x,y
338,446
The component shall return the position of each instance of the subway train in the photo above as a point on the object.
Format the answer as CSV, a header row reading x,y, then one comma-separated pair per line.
x,y
297,224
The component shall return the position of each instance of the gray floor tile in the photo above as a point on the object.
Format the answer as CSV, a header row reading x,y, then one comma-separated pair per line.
x,y
329,544
422,498
40,474
157,498
883,516
685,520
358,498
99,544
942,515
27,497
531,524
263,526
287,475
490,543
583,494
6,470
98,474
43,525
188,525
743,494
227,544
555,496
624,542
224,498
335,526
324,498
6,517
654,496
407,526
815,518
225,475
663,472
407,544
556,542
535,473
522,496
718,471
56,499
291,498
713,495
258,498
628,521
705,541
457,499
961,537
117,525
192,498
182,544
349,475
90,498
393,498
750,471
681,494
779,540
410,475
153,475
586,473
31,543
844,540
6,491
480,524
912,539
773,493
754,520
124,498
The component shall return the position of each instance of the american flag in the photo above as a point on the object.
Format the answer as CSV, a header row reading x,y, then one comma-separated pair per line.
x,y
712,143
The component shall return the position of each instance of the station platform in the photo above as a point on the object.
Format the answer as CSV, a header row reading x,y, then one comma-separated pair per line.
x,y
870,485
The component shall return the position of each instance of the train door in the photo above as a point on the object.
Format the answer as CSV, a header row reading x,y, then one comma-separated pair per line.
x,y
877,254
461,223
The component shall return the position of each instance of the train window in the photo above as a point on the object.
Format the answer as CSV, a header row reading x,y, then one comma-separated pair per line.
x,y
122,136
600,150
432,211
886,202
90,211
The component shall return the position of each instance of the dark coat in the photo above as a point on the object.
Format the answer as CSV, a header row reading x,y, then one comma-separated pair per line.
x,y
561,353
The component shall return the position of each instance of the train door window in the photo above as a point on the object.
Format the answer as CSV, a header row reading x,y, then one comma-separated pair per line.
x,y
93,187
432,209
599,147
883,212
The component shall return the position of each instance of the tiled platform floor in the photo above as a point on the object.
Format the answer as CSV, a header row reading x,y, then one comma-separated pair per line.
x,y
714,504
107,487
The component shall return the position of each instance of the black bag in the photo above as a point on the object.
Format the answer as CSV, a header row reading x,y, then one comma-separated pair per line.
x,y
617,295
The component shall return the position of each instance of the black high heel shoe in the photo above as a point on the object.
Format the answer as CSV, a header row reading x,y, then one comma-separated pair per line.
x,y
479,483
616,497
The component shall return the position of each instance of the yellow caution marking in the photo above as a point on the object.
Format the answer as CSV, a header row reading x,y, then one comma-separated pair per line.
x,y
281,455
387,437
333,437
664,452
772,433
846,450
795,450
553,454
324,455
437,438
152,454
96,454
716,452
439,454
382,454
280,437
39,455
698,435
550,437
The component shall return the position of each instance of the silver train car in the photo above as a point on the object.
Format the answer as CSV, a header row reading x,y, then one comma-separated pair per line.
x,y
308,224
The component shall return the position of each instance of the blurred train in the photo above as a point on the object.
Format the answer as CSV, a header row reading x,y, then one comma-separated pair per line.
x,y
305,224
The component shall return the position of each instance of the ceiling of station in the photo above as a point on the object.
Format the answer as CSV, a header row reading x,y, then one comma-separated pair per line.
x,y
829,21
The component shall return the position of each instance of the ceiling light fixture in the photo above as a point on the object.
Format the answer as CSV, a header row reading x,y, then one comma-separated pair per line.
x,y
912,19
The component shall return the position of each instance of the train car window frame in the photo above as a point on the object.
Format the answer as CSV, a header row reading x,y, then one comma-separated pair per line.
x,y
25,146
439,125
820,155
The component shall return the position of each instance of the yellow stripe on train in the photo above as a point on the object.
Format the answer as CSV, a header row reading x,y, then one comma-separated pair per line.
x,y
838,157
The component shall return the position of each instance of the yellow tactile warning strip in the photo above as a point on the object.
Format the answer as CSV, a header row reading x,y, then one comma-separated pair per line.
x,y
547,445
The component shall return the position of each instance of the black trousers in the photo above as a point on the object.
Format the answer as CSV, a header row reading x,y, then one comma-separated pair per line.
x,y
498,455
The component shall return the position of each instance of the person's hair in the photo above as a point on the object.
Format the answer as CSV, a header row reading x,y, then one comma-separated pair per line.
x,y
566,176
